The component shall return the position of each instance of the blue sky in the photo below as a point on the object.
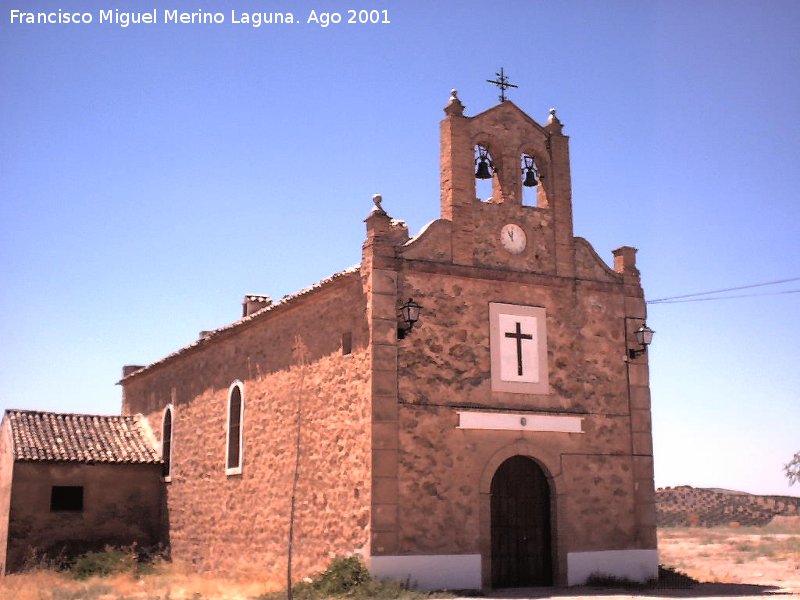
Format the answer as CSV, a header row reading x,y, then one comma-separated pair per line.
x,y
150,176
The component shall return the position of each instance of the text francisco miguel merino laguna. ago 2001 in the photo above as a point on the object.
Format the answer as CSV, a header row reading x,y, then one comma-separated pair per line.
x,y
198,17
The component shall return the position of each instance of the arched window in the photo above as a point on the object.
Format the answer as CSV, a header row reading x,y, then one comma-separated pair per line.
x,y
533,189
166,443
484,173
234,446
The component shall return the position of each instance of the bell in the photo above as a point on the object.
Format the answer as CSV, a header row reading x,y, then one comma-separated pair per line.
x,y
482,172
530,179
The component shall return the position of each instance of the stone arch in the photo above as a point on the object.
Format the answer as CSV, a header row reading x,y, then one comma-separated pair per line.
x,y
488,140
495,148
549,461
539,152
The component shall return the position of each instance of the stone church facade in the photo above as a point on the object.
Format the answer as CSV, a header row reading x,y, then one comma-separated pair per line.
x,y
503,440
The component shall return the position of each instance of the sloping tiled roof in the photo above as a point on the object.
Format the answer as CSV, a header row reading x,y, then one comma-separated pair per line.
x,y
209,336
46,436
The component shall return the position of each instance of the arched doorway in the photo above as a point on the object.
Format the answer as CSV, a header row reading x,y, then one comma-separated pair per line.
x,y
520,513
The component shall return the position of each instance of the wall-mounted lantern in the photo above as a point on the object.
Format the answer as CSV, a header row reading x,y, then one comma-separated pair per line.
x,y
644,335
409,313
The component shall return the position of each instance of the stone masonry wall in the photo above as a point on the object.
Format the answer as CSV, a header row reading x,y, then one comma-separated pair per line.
x,y
240,522
445,365
6,471
448,360
121,505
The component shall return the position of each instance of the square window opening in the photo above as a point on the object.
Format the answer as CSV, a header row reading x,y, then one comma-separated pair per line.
x,y
68,498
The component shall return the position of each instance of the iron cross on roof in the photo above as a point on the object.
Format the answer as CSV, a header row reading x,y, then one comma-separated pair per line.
x,y
502,83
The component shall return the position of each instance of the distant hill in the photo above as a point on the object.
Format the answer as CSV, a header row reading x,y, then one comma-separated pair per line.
x,y
687,506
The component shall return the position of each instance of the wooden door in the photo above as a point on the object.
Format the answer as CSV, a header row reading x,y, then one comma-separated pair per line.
x,y
521,543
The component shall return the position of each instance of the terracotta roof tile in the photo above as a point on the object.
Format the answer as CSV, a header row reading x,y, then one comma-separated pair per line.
x,y
46,436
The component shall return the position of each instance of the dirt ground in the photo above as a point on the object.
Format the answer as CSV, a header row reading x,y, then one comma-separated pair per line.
x,y
727,562
766,556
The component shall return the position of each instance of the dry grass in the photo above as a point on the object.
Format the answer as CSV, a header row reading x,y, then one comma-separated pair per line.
x,y
767,555
759,556
167,582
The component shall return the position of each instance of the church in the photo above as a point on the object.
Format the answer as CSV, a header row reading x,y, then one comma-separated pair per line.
x,y
466,408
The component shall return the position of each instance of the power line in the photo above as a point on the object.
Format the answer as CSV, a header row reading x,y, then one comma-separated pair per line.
x,y
680,298
722,297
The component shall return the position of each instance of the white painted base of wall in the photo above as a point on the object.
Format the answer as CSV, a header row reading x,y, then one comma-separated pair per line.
x,y
431,571
636,565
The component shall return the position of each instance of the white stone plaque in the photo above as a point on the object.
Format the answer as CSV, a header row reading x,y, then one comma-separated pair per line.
x,y
518,338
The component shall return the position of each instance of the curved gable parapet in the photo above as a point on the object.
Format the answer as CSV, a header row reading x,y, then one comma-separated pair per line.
x,y
431,243
589,265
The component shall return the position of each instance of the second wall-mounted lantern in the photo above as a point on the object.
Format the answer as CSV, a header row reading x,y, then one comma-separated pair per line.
x,y
409,313
644,335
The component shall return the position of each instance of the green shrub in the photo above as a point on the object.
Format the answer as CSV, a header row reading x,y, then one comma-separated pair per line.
x,y
103,564
348,577
668,578
671,578
342,576
611,581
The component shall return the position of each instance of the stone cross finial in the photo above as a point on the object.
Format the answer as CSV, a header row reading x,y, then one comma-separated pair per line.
x,y
454,106
553,118
553,122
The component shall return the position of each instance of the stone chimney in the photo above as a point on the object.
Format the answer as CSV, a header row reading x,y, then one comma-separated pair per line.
x,y
128,369
625,260
253,303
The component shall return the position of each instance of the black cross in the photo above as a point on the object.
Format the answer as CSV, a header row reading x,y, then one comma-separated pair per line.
x,y
519,336
502,83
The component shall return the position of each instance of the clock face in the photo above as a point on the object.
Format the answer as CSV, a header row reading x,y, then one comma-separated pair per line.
x,y
513,238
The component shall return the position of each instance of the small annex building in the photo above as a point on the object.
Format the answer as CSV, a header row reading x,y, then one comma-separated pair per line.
x,y
501,440
72,483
